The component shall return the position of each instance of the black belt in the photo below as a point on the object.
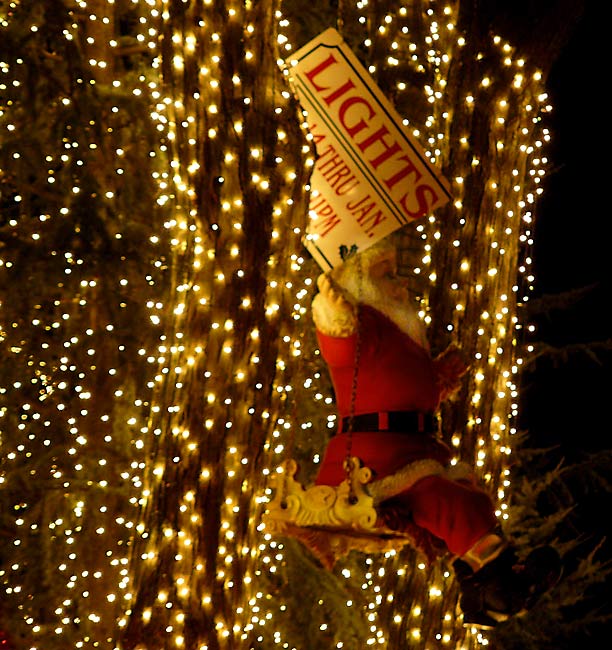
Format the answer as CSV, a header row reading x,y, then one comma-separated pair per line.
x,y
397,421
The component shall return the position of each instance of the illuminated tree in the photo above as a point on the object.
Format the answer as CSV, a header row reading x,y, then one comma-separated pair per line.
x,y
158,357
78,258
239,162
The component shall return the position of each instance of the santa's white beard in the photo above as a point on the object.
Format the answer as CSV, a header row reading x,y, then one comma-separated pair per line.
x,y
382,295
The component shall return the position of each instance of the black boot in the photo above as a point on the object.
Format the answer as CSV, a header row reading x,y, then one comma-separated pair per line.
x,y
503,587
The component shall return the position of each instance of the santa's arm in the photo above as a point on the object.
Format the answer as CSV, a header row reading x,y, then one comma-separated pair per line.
x,y
449,367
332,313
335,319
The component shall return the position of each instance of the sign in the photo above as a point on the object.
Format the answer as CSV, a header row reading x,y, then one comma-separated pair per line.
x,y
371,176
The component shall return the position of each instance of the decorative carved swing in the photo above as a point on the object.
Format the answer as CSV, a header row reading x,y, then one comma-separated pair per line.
x,y
334,520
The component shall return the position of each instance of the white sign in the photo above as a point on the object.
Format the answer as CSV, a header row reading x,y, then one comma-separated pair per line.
x,y
371,176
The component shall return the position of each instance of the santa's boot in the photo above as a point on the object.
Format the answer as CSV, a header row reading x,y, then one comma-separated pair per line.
x,y
495,586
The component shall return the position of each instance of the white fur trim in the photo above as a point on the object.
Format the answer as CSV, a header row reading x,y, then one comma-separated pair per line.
x,y
407,476
404,478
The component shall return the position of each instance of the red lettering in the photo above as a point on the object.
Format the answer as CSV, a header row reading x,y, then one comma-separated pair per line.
x,y
346,104
330,162
341,174
363,210
336,172
365,216
422,193
379,136
337,169
356,204
371,222
338,92
318,69
402,173
317,137
326,219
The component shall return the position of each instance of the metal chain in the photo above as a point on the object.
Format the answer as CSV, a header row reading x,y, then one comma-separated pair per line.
x,y
352,498
349,440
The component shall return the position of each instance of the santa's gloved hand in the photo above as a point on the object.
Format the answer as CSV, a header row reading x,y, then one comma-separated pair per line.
x,y
450,367
332,312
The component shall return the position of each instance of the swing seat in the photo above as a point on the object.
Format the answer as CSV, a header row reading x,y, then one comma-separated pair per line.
x,y
330,520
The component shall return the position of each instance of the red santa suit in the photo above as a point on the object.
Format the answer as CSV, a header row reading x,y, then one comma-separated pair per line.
x,y
398,390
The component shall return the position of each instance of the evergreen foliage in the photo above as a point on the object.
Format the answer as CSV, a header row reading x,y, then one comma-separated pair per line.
x,y
77,206
562,503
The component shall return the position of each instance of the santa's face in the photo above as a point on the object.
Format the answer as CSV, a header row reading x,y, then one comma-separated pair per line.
x,y
383,275
376,281
381,287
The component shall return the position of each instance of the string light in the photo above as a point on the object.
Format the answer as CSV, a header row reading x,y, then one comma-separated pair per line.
x,y
162,432
496,346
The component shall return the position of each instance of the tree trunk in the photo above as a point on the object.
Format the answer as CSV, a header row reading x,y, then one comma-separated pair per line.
x,y
237,218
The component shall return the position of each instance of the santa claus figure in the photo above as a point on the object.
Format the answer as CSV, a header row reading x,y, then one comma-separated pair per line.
x,y
388,389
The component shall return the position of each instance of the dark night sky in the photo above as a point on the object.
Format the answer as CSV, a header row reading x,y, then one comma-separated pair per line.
x,y
565,402
571,252
571,248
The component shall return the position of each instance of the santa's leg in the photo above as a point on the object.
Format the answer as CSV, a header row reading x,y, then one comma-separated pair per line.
x,y
494,584
458,512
